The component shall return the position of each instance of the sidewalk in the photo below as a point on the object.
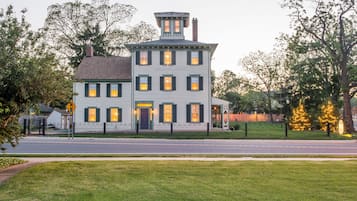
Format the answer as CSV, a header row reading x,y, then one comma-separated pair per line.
x,y
7,173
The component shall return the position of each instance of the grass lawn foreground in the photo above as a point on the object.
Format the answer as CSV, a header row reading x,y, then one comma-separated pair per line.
x,y
185,180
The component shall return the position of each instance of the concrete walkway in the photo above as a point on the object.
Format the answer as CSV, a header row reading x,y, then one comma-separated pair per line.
x,y
7,173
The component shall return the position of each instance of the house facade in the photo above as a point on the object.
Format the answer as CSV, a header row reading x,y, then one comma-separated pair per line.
x,y
163,82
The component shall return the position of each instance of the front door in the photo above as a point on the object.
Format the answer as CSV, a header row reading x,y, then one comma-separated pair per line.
x,y
144,118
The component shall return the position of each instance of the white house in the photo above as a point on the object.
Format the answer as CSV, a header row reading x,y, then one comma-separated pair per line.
x,y
163,82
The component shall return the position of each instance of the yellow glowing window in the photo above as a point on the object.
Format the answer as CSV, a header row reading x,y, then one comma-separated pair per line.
x,y
167,83
92,114
195,83
114,114
167,112
92,90
194,58
166,26
195,112
114,91
167,57
144,86
144,58
177,26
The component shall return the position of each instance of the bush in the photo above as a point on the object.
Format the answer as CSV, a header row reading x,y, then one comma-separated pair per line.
x,y
7,162
234,125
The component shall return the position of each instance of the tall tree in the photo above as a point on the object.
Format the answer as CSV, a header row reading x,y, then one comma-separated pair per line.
x,y
268,72
27,74
71,26
332,26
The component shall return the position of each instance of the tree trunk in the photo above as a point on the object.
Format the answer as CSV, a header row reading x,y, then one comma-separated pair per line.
x,y
347,113
269,106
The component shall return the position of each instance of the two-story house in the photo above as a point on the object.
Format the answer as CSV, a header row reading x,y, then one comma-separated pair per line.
x,y
163,82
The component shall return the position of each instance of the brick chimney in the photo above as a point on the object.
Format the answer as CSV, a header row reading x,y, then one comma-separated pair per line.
x,y
194,29
89,51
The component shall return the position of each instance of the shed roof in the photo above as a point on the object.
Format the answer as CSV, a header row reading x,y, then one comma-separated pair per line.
x,y
104,68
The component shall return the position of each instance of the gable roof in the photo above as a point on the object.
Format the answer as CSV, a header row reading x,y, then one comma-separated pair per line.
x,y
104,68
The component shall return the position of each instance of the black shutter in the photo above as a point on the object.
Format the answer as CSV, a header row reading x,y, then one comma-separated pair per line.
x,y
149,57
188,113
161,113
119,90
86,89
161,83
120,114
201,113
108,90
97,113
85,114
161,57
137,83
108,115
149,83
201,83
173,83
188,57
200,57
137,57
173,57
174,113
98,90
188,83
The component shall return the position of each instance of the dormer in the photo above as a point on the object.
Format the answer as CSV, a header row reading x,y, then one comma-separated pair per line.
x,y
172,24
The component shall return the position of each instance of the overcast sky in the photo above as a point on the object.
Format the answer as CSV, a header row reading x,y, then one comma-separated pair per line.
x,y
238,26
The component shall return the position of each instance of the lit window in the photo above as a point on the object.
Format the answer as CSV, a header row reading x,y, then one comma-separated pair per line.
x,y
92,114
114,114
168,83
114,91
167,57
195,83
167,112
144,84
194,58
177,26
166,26
144,58
92,90
195,113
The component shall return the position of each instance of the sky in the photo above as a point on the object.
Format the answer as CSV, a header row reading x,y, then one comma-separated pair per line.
x,y
238,26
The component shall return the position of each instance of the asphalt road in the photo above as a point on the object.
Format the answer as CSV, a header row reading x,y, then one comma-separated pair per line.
x,y
165,146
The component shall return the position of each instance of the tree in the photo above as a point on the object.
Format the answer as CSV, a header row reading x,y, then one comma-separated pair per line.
x,y
71,26
332,28
267,70
300,120
328,116
27,74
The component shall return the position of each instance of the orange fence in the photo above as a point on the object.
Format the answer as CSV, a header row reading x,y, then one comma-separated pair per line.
x,y
244,117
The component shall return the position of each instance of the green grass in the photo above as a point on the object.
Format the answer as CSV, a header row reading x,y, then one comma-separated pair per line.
x,y
183,180
256,130
9,161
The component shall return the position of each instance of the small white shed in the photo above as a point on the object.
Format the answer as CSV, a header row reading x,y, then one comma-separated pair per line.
x,y
60,119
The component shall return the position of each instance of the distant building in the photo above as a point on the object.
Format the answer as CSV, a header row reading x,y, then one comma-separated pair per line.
x,y
163,81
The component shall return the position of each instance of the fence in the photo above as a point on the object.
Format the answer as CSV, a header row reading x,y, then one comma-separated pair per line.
x,y
244,117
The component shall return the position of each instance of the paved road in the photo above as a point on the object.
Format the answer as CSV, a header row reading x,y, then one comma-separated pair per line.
x,y
164,146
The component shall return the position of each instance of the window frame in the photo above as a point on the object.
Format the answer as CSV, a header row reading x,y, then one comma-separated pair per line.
x,y
110,113
162,113
88,113
177,27
167,26
139,82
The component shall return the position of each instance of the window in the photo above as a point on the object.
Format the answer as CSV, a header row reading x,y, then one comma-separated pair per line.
x,y
194,83
167,112
167,83
143,83
114,90
167,57
194,58
194,112
114,114
177,26
166,26
143,57
91,114
92,90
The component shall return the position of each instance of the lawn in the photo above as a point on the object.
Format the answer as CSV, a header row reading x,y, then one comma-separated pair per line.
x,y
184,180
255,130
